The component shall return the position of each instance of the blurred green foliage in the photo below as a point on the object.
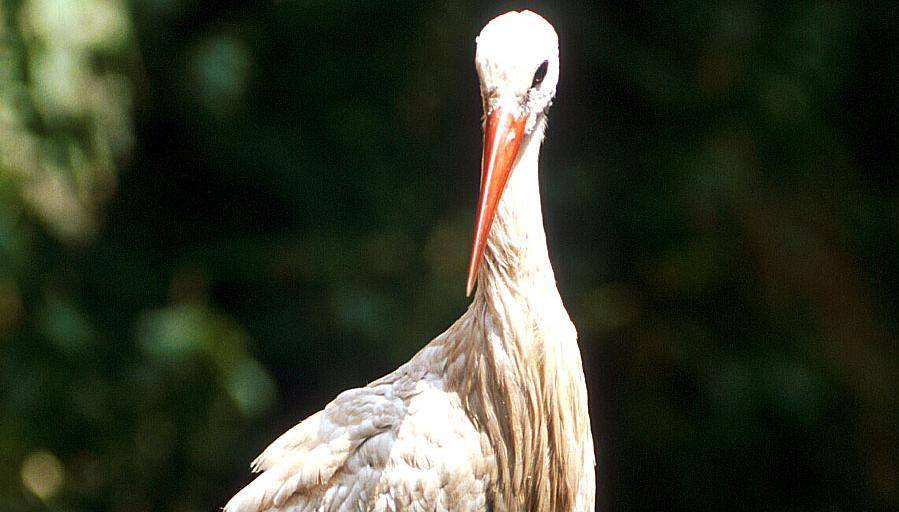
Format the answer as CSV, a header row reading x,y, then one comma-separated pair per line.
x,y
214,216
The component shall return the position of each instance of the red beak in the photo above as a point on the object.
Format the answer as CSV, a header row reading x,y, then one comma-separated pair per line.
x,y
502,140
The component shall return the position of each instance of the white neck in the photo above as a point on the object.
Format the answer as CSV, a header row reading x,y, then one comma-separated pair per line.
x,y
515,361
516,260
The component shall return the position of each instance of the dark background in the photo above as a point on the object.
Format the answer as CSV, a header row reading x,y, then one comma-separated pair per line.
x,y
214,216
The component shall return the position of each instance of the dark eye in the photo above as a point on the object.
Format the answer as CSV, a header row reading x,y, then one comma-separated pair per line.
x,y
540,74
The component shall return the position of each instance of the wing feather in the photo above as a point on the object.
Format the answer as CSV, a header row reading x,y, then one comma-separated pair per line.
x,y
309,455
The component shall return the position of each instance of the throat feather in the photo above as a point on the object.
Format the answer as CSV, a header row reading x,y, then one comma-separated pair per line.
x,y
522,381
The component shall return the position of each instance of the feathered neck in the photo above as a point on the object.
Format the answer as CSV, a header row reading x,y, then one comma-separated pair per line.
x,y
516,260
522,378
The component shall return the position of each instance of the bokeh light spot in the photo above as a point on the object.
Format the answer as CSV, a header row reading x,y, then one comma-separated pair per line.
x,y
219,71
251,388
172,333
42,474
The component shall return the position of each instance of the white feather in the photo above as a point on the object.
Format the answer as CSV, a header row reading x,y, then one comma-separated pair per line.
x,y
492,413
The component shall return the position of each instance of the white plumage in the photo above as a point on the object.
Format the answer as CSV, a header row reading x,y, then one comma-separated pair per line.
x,y
491,414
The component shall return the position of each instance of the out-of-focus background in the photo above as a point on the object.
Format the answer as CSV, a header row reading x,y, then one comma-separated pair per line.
x,y
214,216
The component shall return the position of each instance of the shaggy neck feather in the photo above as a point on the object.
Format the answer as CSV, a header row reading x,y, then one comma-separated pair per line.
x,y
522,369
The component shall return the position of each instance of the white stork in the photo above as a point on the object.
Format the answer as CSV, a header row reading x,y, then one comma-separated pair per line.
x,y
492,414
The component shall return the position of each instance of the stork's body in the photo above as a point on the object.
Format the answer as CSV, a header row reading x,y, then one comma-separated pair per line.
x,y
492,414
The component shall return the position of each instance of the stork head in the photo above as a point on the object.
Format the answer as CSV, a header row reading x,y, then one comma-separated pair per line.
x,y
517,59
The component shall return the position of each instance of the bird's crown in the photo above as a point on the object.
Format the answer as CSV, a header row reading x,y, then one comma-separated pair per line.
x,y
517,54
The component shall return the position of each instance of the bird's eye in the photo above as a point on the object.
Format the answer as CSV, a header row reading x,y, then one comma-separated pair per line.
x,y
540,74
